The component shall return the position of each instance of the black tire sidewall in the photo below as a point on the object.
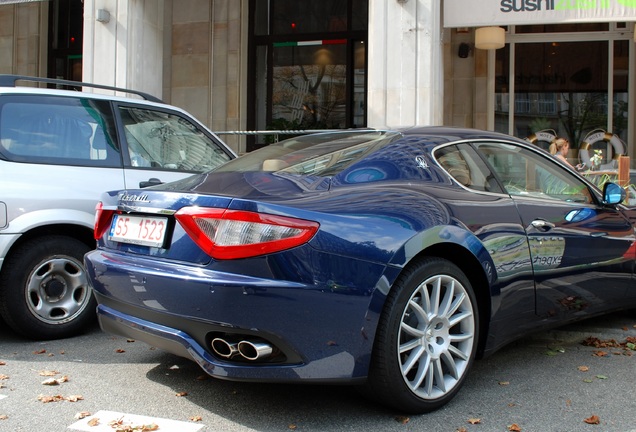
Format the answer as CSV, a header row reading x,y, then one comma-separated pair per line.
x,y
385,377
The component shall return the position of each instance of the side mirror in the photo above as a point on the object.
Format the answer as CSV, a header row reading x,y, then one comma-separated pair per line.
x,y
613,194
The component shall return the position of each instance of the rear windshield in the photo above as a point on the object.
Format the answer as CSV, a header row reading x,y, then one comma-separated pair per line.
x,y
323,154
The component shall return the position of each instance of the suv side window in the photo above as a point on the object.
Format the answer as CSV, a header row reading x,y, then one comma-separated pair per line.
x,y
58,130
163,140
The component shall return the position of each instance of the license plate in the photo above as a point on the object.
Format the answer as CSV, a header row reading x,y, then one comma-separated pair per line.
x,y
139,230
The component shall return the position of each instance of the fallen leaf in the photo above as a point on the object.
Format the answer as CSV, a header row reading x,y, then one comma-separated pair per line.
x,y
3,416
514,428
93,422
48,373
130,340
474,421
48,399
402,419
50,382
82,414
461,429
504,383
593,420
4,377
602,377
42,351
587,380
196,418
292,427
600,353
120,351
202,377
2,363
584,368
181,394
74,398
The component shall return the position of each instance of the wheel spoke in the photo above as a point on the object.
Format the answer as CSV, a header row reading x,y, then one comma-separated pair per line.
x,y
447,302
457,352
422,372
412,359
460,317
435,294
412,331
419,311
439,375
449,361
460,337
456,304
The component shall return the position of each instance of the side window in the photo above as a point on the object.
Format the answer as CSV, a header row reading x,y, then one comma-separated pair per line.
x,y
162,140
464,164
57,130
526,173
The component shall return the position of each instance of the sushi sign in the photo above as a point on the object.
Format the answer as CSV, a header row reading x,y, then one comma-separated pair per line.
x,y
474,13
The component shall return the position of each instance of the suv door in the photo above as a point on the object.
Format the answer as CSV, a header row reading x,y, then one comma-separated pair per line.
x,y
164,145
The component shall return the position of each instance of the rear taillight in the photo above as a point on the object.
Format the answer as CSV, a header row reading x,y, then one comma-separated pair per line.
x,y
102,220
232,234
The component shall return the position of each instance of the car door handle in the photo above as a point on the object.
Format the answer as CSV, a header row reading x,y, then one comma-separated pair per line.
x,y
150,182
542,225
599,234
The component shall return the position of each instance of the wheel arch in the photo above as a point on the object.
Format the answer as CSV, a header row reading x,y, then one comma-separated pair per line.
x,y
78,232
474,271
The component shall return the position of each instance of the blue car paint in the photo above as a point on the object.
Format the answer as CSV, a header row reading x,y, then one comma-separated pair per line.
x,y
327,319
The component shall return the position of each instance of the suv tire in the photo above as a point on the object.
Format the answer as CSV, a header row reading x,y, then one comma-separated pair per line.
x,y
44,292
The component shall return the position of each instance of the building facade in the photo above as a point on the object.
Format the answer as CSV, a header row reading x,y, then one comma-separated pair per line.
x,y
564,68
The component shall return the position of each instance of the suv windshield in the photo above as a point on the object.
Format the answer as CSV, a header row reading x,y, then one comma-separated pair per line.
x,y
323,154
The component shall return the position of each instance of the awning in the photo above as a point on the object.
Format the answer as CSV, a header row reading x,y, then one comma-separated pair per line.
x,y
477,13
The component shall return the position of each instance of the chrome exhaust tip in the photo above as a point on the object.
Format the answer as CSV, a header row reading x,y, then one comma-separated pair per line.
x,y
254,350
224,348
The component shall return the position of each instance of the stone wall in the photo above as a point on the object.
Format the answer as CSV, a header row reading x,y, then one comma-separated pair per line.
x,y
22,49
203,73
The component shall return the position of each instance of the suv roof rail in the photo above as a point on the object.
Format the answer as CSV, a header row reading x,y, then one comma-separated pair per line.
x,y
10,81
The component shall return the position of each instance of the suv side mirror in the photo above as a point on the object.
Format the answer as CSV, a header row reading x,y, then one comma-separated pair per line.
x,y
613,194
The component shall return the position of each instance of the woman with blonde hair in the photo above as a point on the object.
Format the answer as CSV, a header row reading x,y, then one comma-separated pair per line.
x,y
559,148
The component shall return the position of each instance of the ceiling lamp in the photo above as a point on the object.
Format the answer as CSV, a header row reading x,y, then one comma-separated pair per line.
x,y
490,38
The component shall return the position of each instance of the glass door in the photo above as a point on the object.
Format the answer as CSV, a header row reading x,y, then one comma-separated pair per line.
x,y
308,66
569,81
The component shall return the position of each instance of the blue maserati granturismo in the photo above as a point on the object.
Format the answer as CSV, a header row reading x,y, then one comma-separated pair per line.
x,y
389,259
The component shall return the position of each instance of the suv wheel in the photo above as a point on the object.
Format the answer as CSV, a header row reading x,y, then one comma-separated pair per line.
x,y
44,292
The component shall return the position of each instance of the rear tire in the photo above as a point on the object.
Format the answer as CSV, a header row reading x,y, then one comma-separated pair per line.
x,y
44,291
426,338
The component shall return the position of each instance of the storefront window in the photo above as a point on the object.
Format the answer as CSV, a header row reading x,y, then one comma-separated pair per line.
x,y
563,89
308,66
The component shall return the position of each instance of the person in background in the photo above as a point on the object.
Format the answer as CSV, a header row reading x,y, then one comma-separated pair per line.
x,y
559,148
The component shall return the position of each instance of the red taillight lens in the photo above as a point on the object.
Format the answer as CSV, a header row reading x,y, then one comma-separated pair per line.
x,y
232,234
102,220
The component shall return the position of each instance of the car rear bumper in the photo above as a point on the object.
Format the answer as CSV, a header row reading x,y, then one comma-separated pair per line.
x,y
180,343
316,334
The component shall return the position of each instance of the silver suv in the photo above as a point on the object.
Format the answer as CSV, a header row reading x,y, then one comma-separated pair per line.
x,y
59,150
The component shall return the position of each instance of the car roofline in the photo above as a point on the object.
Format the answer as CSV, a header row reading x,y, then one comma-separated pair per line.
x,y
11,81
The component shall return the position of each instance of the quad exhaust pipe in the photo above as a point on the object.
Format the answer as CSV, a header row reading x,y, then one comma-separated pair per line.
x,y
249,350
